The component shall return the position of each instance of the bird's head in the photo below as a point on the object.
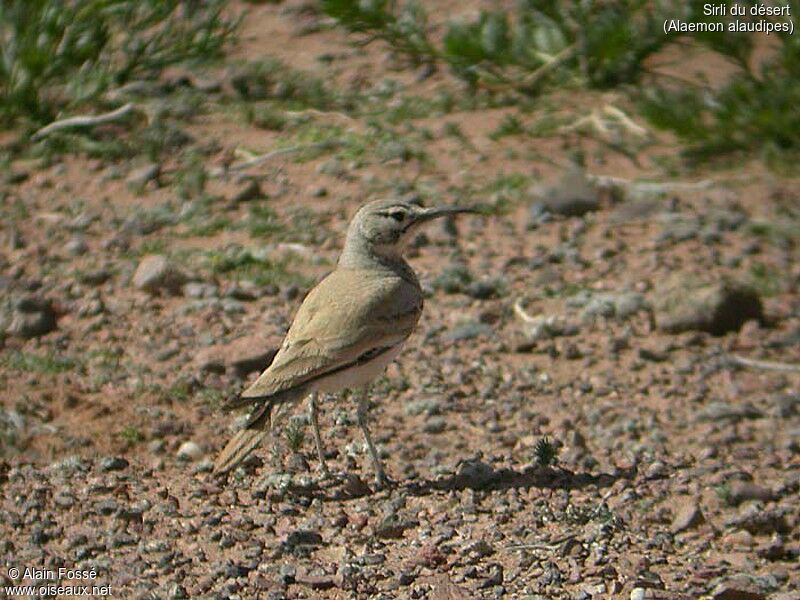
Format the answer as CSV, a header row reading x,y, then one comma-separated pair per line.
x,y
385,227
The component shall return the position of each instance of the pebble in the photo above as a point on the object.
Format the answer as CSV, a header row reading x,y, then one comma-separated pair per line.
x,y
189,451
32,316
685,302
156,274
113,463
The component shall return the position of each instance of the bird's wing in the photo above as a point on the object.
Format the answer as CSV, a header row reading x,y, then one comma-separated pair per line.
x,y
349,316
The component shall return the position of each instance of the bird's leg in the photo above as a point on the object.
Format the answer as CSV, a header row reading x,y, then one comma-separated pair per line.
x,y
363,407
314,418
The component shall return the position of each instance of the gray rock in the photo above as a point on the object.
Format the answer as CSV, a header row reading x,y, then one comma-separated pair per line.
x,y
140,177
303,537
77,246
573,196
31,317
724,411
392,526
469,331
687,516
156,273
428,406
686,303
742,491
113,463
435,425
474,474
757,520
250,191
787,405
196,289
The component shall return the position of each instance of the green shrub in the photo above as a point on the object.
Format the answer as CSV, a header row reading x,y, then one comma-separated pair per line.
x,y
56,54
755,111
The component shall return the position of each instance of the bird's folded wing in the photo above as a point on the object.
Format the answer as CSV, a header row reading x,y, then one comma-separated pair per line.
x,y
346,317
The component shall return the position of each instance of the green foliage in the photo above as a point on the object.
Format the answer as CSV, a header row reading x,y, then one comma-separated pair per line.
x,y
47,364
242,263
270,79
545,452
295,434
755,111
605,43
404,28
56,55
767,280
510,125
131,434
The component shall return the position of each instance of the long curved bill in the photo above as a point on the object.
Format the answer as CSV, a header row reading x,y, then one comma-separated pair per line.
x,y
426,214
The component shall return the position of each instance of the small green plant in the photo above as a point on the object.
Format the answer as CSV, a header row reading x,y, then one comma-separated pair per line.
x,y
453,279
131,434
295,434
545,452
510,125
212,397
768,280
724,494
241,263
47,364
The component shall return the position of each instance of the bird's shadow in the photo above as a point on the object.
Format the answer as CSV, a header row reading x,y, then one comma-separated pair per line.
x,y
529,477
478,477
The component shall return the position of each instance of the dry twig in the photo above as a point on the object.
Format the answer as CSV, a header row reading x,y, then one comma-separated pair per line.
x,y
84,121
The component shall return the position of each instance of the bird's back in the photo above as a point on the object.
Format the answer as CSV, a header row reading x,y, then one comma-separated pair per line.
x,y
349,314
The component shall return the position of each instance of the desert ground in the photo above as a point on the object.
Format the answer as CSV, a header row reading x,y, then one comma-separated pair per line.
x,y
601,400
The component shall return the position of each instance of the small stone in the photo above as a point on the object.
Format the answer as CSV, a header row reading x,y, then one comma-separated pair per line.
x,y
738,538
728,591
316,582
573,196
724,411
195,289
686,302
469,331
354,487
243,355
435,425
637,594
113,463
189,451
303,537
250,191
392,526
474,474
427,406
77,246
156,273
687,516
656,470
32,317
140,177
742,491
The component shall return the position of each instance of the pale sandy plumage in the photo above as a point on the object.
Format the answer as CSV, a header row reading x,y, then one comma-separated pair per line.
x,y
347,330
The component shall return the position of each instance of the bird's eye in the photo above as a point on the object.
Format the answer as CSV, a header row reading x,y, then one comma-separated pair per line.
x,y
398,215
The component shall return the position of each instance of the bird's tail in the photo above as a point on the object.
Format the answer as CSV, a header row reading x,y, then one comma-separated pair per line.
x,y
240,446
256,429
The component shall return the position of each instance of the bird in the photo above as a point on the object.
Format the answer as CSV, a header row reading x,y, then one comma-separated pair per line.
x,y
348,329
